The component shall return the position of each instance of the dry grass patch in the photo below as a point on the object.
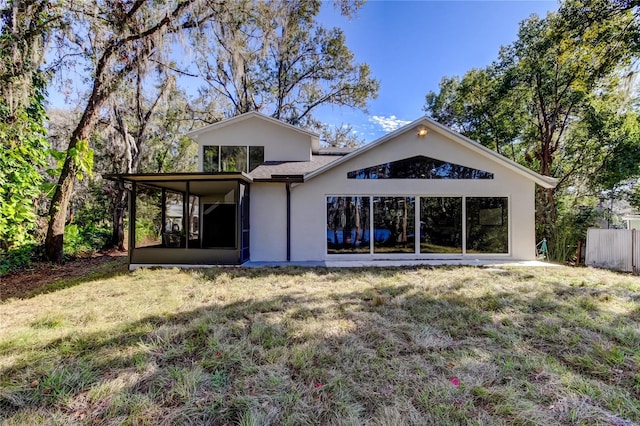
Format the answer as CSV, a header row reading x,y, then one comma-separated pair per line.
x,y
326,346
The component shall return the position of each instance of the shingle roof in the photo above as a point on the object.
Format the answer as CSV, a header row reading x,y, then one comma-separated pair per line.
x,y
269,168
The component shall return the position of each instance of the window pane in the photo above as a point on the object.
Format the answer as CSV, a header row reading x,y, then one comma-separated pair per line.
x,y
441,225
393,223
256,156
487,225
233,159
419,167
210,162
148,217
347,225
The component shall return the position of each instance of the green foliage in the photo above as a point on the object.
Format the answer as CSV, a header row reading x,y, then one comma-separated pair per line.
x,y
573,223
23,153
19,258
83,240
634,197
82,157
146,230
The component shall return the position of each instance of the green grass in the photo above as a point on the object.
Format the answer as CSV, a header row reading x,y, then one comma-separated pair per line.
x,y
326,346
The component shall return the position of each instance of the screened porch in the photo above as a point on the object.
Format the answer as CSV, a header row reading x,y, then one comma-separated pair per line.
x,y
188,219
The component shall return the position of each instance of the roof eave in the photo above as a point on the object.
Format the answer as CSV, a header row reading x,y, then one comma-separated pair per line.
x,y
238,118
544,181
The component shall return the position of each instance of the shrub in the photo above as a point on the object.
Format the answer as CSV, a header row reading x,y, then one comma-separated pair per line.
x,y
82,240
20,258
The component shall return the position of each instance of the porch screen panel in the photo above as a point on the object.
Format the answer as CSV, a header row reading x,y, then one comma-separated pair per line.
x,y
348,224
487,224
148,218
174,233
393,224
194,221
441,225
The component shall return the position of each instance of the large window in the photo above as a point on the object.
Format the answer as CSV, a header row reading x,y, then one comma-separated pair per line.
x,y
232,158
441,225
394,224
348,225
391,222
419,167
487,225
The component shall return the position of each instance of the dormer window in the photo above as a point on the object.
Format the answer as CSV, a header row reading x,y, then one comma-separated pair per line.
x,y
232,158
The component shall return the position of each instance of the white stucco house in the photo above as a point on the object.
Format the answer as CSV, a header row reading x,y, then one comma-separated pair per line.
x,y
267,192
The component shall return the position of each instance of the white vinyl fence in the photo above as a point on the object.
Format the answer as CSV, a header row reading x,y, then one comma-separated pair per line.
x,y
617,249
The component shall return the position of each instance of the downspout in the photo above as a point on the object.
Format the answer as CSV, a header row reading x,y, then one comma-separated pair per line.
x,y
288,188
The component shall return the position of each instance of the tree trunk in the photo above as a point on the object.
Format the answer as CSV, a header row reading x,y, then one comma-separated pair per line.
x,y
547,211
58,213
54,241
117,236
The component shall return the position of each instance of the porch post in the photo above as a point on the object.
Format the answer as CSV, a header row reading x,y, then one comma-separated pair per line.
x,y
185,215
133,195
163,211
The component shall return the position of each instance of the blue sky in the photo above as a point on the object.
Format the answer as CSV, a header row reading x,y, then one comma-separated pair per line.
x,y
411,45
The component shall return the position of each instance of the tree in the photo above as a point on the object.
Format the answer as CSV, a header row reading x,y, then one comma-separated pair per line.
x,y
24,30
554,78
116,39
276,58
480,106
143,132
343,136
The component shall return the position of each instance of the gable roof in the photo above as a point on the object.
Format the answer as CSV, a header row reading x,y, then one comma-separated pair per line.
x,y
544,181
245,116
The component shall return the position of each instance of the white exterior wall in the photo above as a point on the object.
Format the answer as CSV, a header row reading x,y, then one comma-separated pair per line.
x,y
268,215
280,143
308,200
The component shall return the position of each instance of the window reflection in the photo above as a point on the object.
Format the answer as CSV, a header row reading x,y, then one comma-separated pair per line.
x,y
256,156
419,167
487,225
393,224
347,225
441,225
211,161
232,158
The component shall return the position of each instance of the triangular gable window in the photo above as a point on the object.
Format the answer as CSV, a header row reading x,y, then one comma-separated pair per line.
x,y
419,167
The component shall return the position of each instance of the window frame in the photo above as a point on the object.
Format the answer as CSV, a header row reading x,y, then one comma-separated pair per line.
x,y
417,254
248,169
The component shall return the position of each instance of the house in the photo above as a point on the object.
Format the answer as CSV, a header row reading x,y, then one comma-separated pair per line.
x,y
267,192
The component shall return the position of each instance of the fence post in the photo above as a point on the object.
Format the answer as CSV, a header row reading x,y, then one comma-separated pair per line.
x,y
634,267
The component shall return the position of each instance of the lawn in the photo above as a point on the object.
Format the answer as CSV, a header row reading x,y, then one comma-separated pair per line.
x,y
447,345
